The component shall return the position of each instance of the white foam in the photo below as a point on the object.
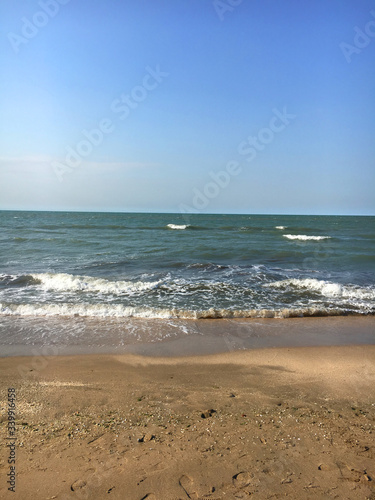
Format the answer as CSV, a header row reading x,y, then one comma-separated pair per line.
x,y
280,227
304,237
176,226
119,311
68,282
327,288
84,310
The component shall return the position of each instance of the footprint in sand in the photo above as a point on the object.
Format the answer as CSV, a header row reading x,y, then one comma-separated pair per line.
x,y
77,485
187,484
242,479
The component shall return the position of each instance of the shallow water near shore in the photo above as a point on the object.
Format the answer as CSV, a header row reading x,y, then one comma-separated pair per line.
x,y
155,337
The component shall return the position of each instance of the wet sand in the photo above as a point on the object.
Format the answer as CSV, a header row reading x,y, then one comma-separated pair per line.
x,y
295,422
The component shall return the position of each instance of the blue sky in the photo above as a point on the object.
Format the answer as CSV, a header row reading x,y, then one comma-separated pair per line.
x,y
154,98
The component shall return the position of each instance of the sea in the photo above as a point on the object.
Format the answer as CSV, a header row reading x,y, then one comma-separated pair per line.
x,y
182,266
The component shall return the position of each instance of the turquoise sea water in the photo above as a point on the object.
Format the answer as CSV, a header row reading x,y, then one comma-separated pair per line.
x,y
167,266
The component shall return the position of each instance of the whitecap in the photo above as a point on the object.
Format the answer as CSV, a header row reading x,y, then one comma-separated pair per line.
x,y
304,237
177,226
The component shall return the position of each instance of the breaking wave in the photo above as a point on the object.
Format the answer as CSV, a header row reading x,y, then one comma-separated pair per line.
x,y
67,282
326,288
120,311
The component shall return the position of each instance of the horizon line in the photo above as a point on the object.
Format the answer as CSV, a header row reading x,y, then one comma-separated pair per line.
x,y
185,213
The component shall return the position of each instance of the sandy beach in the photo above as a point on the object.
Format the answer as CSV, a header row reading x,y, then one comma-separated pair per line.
x,y
295,422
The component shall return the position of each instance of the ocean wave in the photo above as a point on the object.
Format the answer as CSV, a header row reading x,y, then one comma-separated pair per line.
x,y
304,237
326,288
90,226
17,281
67,282
178,226
281,227
120,311
207,266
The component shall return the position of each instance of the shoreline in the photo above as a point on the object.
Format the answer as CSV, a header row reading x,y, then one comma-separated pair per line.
x,y
290,422
163,337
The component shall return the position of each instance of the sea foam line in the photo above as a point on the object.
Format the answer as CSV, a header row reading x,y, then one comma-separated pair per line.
x,y
120,311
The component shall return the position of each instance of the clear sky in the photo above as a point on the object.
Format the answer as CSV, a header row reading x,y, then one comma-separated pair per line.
x,y
229,106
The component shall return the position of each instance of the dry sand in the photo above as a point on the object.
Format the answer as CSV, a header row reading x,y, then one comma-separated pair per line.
x,y
270,423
